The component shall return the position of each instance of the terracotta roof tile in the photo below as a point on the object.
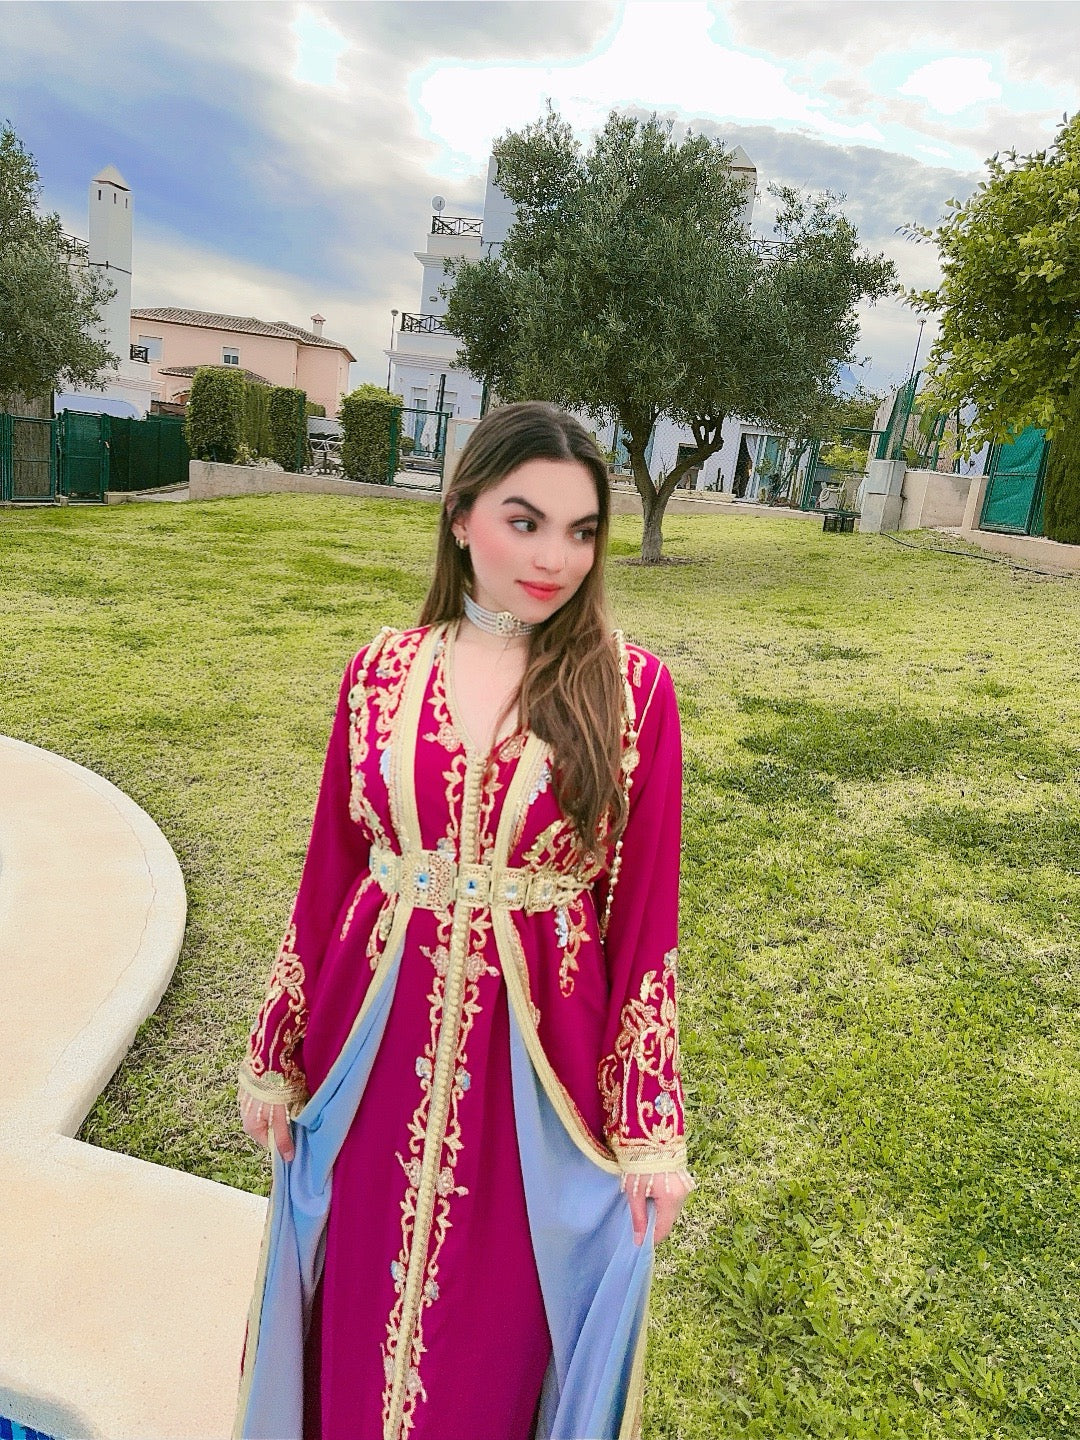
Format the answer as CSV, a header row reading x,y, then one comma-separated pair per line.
x,y
240,324
189,371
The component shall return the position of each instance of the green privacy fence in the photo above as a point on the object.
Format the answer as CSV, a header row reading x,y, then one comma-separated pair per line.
x,y
81,456
915,430
1015,492
147,454
29,458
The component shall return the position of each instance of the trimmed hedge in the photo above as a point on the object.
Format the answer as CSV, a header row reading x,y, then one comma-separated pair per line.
x,y
257,418
216,414
369,421
1061,517
288,427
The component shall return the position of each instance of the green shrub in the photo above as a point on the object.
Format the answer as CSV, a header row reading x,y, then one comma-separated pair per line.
x,y
844,457
369,422
312,408
1062,514
257,418
288,427
216,414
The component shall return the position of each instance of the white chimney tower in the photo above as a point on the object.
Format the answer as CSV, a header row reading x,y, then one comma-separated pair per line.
x,y
110,252
317,322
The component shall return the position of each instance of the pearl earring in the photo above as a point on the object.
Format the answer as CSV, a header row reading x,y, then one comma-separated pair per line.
x,y
461,544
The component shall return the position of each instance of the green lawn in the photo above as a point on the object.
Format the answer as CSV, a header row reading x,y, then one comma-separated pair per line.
x,y
880,925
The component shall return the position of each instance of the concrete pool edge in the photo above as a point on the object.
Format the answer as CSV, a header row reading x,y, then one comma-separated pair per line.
x,y
123,1285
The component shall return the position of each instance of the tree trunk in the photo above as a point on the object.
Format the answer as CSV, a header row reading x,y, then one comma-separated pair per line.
x,y
652,535
654,498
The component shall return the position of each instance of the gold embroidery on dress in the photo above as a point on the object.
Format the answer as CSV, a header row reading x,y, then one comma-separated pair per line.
x,y
639,1081
628,763
572,932
380,931
394,662
476,966
557,851
360,889
445,734
286,979
360,807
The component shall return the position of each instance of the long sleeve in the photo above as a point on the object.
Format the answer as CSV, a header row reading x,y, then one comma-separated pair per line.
x,y
337,855
639,1073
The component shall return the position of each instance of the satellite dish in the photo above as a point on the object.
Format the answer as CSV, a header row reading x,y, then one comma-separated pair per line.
x,y
438,204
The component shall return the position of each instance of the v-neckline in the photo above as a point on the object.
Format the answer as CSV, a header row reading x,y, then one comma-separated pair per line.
x,y
472,750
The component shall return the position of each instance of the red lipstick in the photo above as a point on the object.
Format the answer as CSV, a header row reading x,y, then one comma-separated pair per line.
x,y
538,591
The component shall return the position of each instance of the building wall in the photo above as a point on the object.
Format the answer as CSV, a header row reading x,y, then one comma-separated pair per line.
x,y
109,247
323,374
274,358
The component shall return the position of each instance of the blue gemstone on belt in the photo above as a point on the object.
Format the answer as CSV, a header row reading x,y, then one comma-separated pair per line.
x,y
422,879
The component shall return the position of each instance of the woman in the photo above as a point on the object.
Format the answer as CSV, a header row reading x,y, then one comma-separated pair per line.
x,y
471,1020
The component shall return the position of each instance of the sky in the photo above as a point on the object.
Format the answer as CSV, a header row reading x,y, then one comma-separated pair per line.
x,y
282,156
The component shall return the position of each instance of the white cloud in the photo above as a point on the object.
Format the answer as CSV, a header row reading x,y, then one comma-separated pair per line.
x,y
319,47
952,84
171,270
662,56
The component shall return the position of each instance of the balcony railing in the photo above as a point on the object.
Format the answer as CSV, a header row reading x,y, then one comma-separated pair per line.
x,y
141,353
76,249
423,324
456,225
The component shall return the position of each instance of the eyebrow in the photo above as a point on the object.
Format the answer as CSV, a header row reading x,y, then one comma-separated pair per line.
x,y
535,510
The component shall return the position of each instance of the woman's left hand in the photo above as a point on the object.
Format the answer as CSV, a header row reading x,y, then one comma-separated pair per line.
x,y
667,1190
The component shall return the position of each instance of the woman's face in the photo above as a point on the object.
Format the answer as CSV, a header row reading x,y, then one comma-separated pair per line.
x,y
532,538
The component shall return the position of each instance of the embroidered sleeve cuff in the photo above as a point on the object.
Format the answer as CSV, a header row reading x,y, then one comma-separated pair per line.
x,y
645,1157
273,1088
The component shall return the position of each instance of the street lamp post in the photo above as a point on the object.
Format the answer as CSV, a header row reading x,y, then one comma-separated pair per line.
x,y
918,342
390,361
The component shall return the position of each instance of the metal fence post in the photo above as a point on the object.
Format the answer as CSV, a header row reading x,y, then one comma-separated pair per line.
x,y
5,457
395,426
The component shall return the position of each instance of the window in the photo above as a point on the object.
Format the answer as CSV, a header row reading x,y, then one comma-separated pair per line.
x,y
152,344
229,356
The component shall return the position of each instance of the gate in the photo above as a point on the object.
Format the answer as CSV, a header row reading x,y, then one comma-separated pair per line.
x,y
1013,501
835,469
84,455
27,458
421,441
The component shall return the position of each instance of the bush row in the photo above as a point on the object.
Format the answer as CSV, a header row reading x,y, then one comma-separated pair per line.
x,y
231,420
370,420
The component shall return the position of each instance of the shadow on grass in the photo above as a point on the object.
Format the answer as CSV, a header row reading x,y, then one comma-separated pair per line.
x,y
858,742
1022,840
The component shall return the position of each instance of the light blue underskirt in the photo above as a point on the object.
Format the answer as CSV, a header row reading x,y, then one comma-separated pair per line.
x,y
594,1279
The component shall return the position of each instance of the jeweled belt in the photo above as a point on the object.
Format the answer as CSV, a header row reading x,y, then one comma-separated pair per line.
x,y
435,881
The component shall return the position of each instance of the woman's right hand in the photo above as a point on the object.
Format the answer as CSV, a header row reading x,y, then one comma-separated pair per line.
x,y
260,1118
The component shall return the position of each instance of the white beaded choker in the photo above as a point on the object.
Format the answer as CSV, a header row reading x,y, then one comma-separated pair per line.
x,y
495,622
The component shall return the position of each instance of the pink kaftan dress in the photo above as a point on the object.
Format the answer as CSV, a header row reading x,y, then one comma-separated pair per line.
x,y
429,1320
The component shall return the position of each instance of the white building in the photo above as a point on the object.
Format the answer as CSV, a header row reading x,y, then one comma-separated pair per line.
x,y
421,360
128,387
424,375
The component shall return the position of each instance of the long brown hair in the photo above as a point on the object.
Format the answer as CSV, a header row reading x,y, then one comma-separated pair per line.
x,y
571,693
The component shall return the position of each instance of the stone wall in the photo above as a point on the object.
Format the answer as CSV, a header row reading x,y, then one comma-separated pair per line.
x,y
896,498
211,481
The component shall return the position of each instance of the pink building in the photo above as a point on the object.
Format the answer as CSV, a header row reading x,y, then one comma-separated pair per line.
x,y
177,342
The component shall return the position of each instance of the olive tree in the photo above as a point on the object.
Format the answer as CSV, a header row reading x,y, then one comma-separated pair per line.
x,y
629,288
49,309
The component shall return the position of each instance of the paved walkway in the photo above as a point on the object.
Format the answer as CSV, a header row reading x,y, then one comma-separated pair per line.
x,y
123,1285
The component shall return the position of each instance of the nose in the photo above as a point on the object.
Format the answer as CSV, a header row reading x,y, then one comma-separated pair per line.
x,y
550,555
